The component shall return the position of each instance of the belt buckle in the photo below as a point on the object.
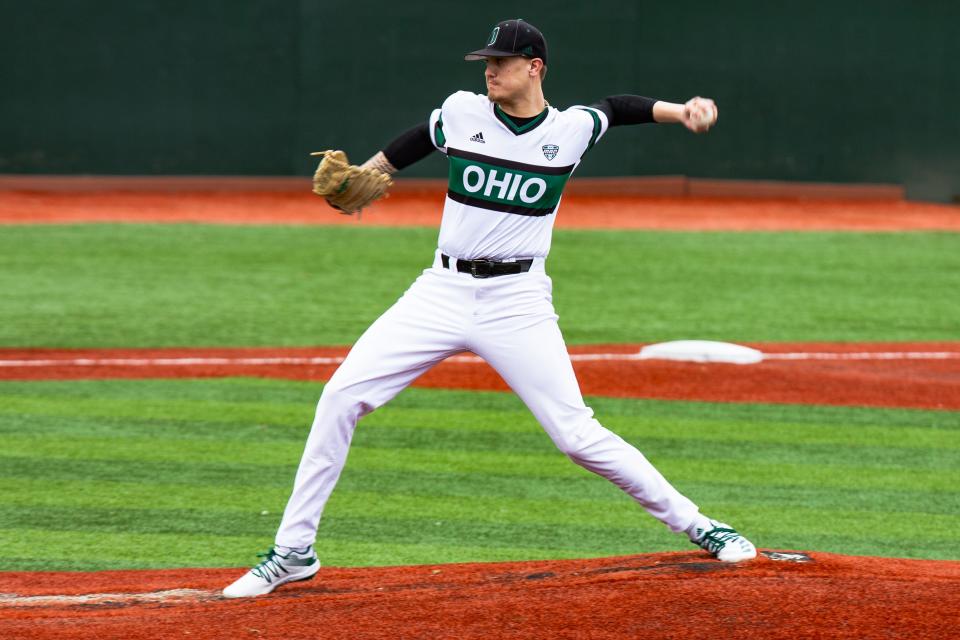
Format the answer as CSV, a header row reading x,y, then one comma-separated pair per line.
x,y
485,272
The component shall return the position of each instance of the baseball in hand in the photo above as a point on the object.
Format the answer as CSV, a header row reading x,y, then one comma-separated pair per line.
x,y
700,114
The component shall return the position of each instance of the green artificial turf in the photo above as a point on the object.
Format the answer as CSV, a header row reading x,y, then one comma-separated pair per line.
x,y
203,285
170,473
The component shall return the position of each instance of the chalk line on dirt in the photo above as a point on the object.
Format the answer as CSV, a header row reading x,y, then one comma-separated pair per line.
x,y
169,595
467,359
867,355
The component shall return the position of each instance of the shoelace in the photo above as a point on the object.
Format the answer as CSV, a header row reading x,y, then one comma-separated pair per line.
x,y
717,538
269,567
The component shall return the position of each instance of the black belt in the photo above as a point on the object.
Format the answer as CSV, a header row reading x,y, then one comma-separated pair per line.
x,y
487,268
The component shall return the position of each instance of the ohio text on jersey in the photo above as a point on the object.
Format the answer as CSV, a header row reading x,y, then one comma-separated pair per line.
x,y
506,181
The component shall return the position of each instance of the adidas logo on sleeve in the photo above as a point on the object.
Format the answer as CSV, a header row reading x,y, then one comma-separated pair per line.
x,y
478,138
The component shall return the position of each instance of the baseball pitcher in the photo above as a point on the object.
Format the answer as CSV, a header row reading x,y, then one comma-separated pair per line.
x,y
510,155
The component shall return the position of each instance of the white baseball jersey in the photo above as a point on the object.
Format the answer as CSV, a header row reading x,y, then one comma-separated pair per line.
x,y
505,182
504,190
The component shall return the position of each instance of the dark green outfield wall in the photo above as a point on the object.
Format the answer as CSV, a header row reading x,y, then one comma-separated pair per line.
x,y
818,91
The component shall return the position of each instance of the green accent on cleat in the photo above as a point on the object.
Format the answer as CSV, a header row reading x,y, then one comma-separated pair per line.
x,y
724,542
274,570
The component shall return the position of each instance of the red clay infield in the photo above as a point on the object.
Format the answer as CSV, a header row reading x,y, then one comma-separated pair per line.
x,y
918,375
577,211
669,595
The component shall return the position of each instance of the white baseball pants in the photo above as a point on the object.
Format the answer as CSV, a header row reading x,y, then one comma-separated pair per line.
x,y
509,321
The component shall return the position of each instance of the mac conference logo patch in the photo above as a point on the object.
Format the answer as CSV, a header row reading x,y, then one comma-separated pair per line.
x,y
550,151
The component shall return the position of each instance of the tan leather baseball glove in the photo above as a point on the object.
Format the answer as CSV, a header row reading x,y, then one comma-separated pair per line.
x,y
347,187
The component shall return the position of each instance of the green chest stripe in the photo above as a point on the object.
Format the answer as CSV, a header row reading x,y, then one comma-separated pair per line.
x,y
505,188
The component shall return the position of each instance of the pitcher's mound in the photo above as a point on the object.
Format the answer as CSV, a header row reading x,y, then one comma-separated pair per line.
x,y
781,594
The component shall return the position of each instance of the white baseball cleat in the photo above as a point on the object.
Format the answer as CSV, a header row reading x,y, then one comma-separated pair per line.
x,y
723,541
273,571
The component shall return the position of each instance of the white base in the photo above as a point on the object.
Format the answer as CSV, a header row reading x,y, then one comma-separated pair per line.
x,y
701,351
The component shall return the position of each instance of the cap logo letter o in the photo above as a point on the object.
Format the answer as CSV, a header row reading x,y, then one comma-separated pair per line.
x,y
493,35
